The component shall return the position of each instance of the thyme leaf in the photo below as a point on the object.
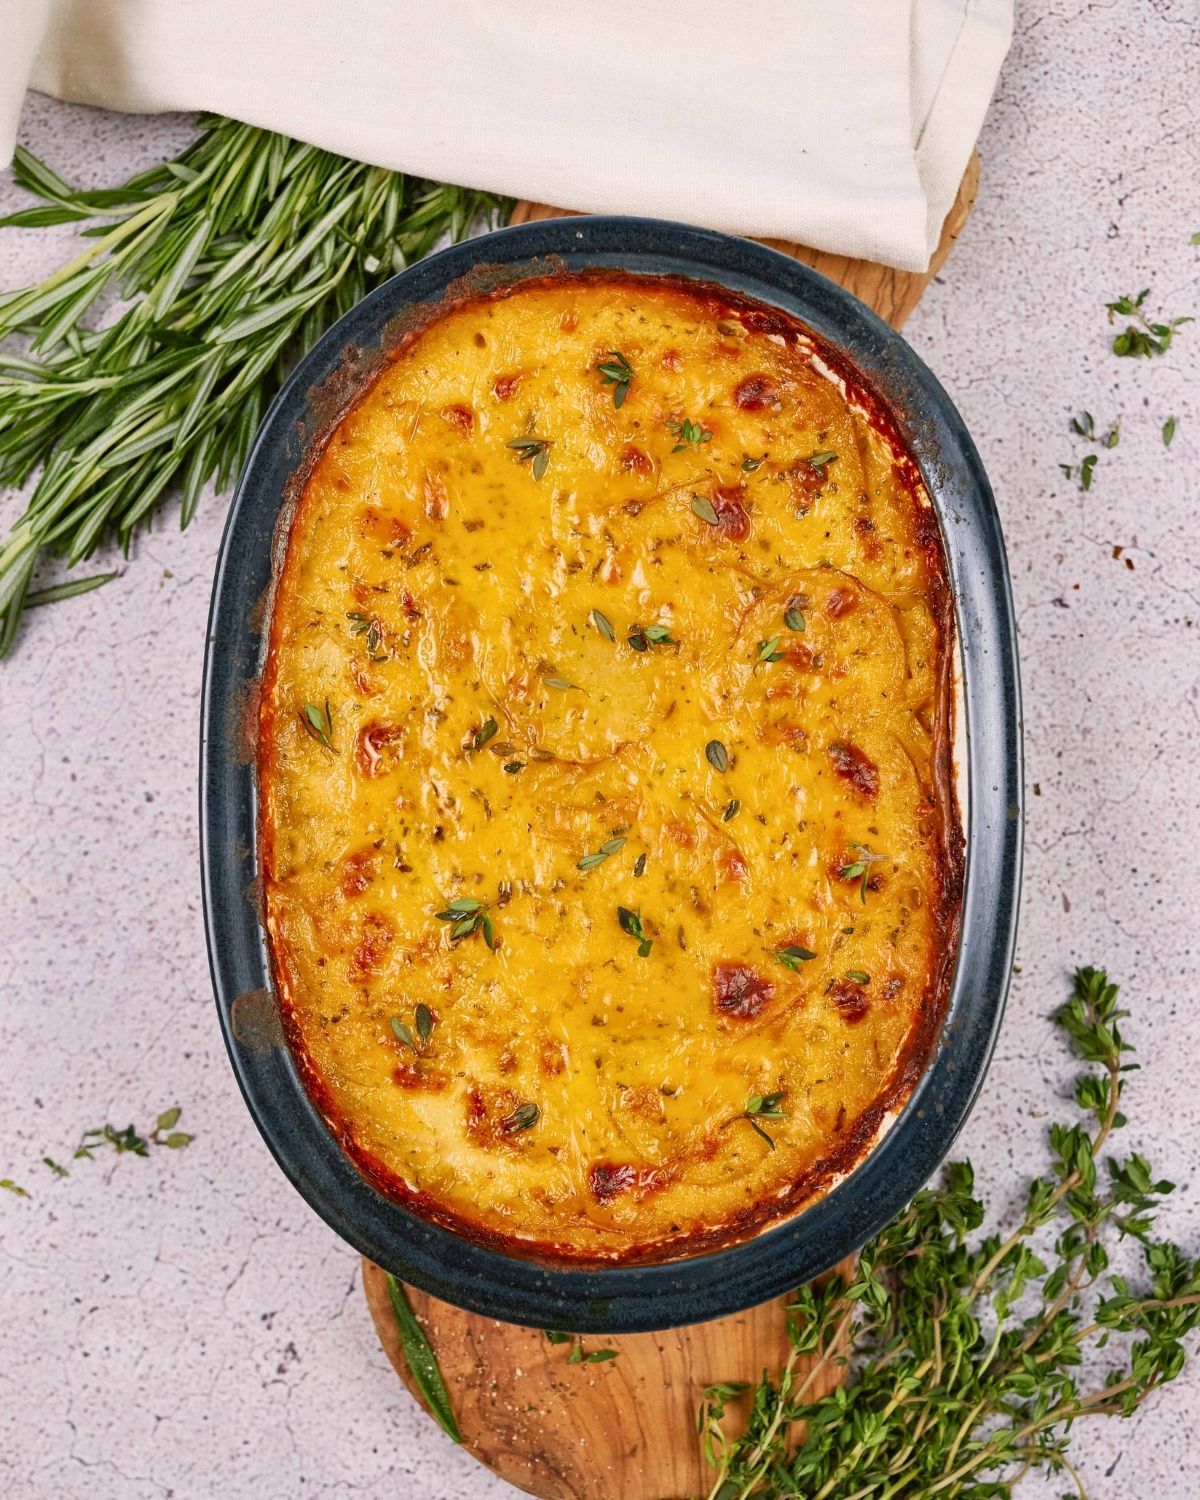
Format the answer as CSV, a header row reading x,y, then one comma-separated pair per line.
x,y
606,851
318,722
717,755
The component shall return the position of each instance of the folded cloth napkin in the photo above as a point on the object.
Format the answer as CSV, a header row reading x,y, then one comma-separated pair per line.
x,y
843,124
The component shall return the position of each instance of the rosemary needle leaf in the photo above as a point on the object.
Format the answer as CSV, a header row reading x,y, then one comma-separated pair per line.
x,y
72,590
229,260
422,1361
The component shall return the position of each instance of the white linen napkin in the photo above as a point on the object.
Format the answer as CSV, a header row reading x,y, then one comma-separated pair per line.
x,y
844,124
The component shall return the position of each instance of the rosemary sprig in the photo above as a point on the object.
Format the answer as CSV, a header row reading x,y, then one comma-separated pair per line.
x,y
421,1361
965,1374
232,257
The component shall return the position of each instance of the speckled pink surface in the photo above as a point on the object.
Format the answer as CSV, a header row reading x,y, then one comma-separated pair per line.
x,y
184,1325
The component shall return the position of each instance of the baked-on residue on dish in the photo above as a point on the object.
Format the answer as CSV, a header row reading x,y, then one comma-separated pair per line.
x,y
610,855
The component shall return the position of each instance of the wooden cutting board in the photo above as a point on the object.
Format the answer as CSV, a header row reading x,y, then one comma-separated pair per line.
x,y
625,1429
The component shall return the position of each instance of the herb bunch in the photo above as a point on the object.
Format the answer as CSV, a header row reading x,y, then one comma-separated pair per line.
x,y
231,258
972,1355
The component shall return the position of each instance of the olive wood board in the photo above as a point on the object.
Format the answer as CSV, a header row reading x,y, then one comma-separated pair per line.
x,y
625,1429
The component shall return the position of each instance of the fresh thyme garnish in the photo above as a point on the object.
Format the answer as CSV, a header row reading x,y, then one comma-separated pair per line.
x,y
820,462
367,625
423,1021
717,755
421,1360
532,448
860,868
163,1133
689,433
577,1356
793,956
1168,431
652,635
1141,337
595,1357
764,1107
768,650
858,976
703,507
731,811
606,851
227,262
468,916
618,373
319,723
403,1034
750,464
631,922
639,866
604,625
524,1117
968,1353
794,620
123,1142
483,734
1084,426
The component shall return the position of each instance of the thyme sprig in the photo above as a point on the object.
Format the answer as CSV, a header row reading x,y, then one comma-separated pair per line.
x,y
617,372
231,258
965,1374
631,923
764,1107
534,451
467,916
1141,337
690,434
124,1141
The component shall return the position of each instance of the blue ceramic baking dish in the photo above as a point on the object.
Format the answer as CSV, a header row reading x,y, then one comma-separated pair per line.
x,y
615,1298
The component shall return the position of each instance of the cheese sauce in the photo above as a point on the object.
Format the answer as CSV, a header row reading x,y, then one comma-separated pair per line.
x,y
610,858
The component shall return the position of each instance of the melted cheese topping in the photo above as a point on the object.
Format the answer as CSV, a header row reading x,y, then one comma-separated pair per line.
x,y
693,622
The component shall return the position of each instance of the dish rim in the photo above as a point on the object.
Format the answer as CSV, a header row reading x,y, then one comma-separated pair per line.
x,y
617,1297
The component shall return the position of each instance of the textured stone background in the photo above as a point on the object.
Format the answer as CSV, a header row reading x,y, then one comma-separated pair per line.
x,y
184,1325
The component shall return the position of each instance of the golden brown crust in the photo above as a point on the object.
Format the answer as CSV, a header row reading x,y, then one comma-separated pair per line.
x,y
936,860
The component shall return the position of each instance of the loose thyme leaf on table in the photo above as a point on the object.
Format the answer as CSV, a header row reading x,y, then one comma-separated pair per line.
x,y
974,1357
232,257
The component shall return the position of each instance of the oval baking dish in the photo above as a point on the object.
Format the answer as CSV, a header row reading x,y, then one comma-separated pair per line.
x,y
481,1272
